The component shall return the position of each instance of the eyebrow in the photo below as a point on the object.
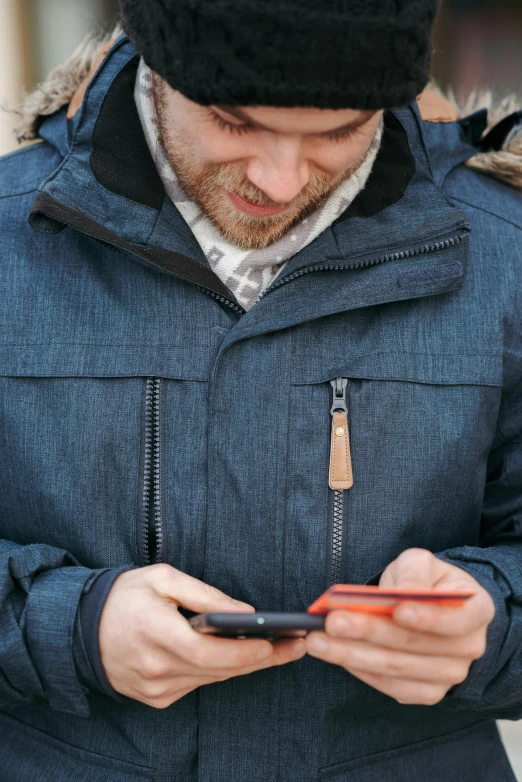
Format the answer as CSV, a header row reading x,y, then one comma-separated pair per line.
x,y
353,125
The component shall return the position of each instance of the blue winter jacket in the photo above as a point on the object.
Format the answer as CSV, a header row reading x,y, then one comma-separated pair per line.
x,y
145,417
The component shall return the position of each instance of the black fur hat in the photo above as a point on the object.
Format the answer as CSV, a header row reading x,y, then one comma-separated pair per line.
x,y
360,54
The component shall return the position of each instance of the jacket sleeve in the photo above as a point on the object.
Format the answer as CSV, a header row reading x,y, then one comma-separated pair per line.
x,y
40,591
494,684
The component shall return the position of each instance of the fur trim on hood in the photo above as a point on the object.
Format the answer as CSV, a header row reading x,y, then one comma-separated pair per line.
x,y
506,163
61,84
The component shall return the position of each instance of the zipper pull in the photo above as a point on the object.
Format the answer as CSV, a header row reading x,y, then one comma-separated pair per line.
x,y
341,476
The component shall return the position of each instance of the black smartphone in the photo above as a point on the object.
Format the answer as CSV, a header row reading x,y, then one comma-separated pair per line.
x,y
265,625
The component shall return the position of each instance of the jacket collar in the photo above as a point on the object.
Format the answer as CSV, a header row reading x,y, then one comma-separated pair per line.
x,y
107,186
452,143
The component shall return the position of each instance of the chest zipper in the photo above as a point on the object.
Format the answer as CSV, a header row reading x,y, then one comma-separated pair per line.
x,y
152,505
340,474
441,243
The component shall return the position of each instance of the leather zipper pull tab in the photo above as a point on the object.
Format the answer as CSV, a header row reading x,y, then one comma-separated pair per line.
x,y
341,476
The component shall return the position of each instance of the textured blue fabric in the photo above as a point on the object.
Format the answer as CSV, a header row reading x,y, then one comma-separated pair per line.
x,y
421,316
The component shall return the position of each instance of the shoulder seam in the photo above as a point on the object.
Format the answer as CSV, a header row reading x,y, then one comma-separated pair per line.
x,y
24,150
486,211
21,193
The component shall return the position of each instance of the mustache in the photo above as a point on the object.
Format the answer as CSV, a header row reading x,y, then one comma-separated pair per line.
x,y
231,179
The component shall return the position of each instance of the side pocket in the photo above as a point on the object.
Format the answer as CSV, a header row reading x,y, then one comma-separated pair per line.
x,y
27,755
475,754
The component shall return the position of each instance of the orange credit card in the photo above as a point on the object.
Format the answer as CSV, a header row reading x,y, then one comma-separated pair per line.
x,y
382,600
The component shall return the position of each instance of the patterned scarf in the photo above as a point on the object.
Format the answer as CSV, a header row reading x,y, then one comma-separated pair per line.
x,y
247,273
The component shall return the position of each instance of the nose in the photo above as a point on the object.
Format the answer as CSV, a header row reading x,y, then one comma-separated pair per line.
x,y
280,172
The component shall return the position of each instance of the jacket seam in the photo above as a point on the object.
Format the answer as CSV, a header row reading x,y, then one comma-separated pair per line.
x,y
22,192
486,211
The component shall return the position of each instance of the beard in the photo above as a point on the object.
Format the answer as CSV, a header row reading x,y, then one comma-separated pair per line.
x,y
208,184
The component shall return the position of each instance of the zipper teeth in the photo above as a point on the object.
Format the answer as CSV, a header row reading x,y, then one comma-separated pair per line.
x,y
156,472
222,300
397,256
151,499
337,535
426,248
217,296
147,465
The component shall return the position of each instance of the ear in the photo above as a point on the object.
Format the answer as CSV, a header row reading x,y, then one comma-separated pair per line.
x,y
77,98
435,108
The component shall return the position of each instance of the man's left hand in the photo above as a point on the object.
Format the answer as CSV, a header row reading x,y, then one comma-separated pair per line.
x,y
423,650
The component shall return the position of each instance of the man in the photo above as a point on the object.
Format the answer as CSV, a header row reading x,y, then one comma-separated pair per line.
x,y
246,217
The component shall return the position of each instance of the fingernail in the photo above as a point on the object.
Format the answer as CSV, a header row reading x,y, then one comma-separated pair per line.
x,y
318,645
265,652
298,650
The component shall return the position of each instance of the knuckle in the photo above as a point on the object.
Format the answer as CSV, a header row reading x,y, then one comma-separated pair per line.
x,y
488,606
361,627
161,572
460,675
405,700
477,648
422,555
162,702
142,634
432,697
162,569
149,669
151,691
335,625
419,556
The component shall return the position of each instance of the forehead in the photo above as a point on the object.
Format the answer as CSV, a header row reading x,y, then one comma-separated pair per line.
x,y
297,119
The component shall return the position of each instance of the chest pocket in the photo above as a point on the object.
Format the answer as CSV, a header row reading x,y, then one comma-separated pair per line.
x,y
419,429
94,447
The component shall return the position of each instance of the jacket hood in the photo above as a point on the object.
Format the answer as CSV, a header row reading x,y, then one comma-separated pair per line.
x,y
502,144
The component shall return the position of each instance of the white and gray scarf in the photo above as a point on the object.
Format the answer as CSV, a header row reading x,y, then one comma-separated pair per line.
x,y
247,273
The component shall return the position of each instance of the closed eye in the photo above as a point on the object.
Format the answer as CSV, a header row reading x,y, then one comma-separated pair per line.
x,y
231,127
244,128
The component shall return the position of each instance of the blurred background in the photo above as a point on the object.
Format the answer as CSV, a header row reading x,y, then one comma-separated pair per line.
x,y
478,44
37,35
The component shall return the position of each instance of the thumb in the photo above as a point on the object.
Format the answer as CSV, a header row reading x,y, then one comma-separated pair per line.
x,y
191,593
415,568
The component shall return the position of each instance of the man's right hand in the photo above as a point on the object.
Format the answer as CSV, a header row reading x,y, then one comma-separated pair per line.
x,y
151,653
